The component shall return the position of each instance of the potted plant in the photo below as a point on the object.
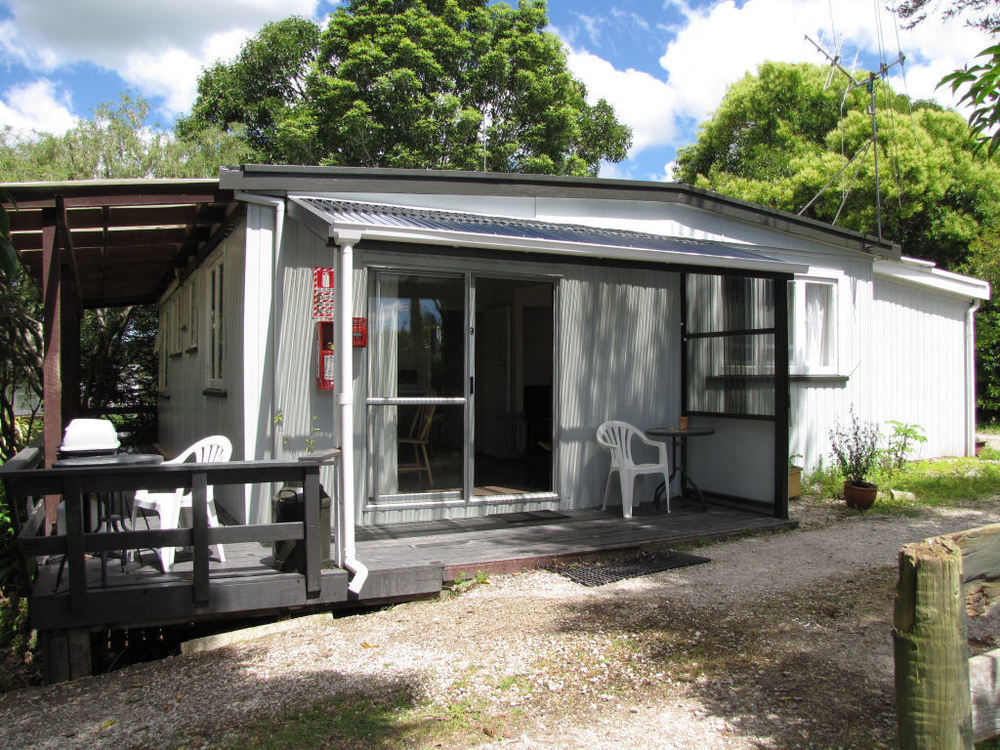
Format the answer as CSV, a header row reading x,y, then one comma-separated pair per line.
x,y
855,449
794,476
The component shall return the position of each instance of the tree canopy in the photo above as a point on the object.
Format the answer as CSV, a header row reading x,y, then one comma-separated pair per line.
x,y
445,84
116,143
983,14
779,136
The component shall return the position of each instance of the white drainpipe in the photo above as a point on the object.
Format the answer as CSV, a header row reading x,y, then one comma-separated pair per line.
x,y
344,284
970,379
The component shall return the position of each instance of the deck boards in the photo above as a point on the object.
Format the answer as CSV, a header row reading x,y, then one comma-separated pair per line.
x,y
405,561
495,545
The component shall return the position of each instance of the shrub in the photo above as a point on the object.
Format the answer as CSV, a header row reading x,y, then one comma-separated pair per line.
x,y
854,448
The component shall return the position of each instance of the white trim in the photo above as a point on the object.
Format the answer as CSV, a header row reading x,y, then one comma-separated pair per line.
x,y
926,274
798,324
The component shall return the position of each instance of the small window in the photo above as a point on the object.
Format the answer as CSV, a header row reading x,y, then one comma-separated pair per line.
x,y
812,341
175,322
160,347
215,324
192,315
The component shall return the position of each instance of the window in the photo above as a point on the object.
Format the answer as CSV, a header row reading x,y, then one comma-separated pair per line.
x,y
160,347
215,324
812,340
729,333
189,315
173,328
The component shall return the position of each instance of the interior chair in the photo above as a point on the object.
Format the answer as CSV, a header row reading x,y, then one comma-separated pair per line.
x,y
168,505
418,437
618,437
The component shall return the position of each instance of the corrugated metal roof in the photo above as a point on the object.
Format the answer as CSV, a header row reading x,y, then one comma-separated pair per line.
x,y
357,213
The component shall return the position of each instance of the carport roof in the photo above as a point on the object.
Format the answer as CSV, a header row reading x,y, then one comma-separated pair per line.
x,y
122,240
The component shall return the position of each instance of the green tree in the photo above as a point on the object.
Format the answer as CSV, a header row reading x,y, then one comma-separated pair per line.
x,y
259,89
8,256
446,84
116,143
21,364
982,14
780,136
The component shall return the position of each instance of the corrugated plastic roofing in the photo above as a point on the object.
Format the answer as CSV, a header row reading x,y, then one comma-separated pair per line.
x,y
356,212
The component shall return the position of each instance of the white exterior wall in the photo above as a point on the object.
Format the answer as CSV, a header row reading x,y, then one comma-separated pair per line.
x,y
619,358
303,417
186,412
918,364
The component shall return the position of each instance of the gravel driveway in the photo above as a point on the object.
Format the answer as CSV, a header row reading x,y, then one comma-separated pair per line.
x,y
780,641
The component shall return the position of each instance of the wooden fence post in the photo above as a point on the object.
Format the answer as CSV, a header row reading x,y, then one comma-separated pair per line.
x,y
933,704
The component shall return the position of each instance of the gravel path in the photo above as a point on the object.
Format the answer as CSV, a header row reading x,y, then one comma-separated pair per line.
x,y
768,645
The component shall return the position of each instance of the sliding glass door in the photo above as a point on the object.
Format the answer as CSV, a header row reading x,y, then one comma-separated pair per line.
x,y
417,407
461,388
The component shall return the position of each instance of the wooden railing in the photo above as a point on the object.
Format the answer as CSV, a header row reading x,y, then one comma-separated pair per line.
x,y
26,486
944,699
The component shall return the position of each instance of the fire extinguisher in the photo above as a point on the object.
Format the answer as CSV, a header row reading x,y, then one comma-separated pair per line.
x,y
327,361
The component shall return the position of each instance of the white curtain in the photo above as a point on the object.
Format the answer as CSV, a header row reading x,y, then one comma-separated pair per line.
x,y
818,349
386,379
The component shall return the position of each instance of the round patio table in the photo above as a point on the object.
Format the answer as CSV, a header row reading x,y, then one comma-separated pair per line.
x,y
110,505
678,459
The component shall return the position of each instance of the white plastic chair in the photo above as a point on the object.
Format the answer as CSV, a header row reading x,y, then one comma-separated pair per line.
x,y
617,437
168,505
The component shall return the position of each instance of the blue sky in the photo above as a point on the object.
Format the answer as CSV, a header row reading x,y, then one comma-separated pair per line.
x,y
663,64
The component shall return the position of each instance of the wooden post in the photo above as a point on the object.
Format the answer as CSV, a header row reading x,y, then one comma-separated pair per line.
x,y
66,654
199,536
312,535
51,366
933,704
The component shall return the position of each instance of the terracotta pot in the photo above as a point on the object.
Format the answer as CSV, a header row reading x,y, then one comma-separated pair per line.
x,y
860,496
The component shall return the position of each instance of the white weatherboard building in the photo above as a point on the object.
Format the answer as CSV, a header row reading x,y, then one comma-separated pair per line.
x,y
494,321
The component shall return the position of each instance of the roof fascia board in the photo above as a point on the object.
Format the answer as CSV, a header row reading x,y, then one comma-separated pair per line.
x,y
955,284
552,247
360,179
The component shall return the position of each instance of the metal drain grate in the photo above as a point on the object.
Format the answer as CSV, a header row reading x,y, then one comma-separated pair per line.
x,y
598,574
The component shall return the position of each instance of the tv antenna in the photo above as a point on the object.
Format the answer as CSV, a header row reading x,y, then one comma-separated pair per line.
x,y
868,83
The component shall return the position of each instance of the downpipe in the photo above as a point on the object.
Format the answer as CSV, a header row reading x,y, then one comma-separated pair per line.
x,y
345,400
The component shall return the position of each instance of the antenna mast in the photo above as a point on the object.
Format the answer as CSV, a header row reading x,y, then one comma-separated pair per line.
x,y
869,84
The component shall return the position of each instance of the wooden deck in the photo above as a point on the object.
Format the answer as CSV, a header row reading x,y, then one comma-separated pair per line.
x,y
405,561
514,541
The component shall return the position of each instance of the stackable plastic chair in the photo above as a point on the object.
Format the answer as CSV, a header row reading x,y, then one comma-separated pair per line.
x,y
617,437
168,505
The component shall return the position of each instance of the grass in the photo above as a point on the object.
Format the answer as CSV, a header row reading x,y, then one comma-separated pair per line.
x,y
350,722
938,483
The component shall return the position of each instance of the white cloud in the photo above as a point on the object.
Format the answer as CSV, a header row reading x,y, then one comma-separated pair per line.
x,y
643,102
36,107
716,45
158,47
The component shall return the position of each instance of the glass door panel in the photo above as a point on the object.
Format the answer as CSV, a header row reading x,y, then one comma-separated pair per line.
x,y
417,407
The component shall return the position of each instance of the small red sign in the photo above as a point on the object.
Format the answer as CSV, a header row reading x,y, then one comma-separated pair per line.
x,y
323,299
